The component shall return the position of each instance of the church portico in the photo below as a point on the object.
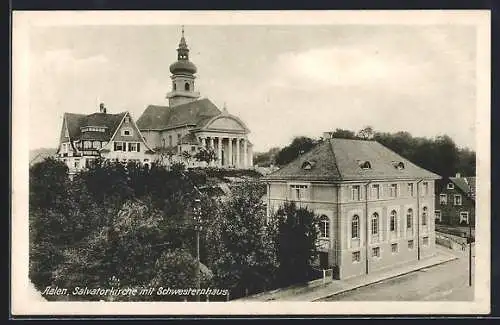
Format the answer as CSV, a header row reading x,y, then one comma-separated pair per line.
x,y
231,151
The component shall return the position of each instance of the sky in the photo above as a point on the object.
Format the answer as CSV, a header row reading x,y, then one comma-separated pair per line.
x,y
282,81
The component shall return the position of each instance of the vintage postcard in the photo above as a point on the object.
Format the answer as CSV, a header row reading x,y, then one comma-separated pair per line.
x,y
250,163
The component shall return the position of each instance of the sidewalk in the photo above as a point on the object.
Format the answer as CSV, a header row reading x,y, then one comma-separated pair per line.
x,y
316,290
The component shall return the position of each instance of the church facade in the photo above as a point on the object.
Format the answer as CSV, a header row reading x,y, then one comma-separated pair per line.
x,y
189,123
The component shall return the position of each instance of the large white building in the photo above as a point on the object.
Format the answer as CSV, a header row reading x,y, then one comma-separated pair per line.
x,y
190,123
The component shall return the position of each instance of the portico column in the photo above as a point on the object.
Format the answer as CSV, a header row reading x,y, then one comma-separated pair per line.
x,y
250,157
237,152
245,157
230,151
203,143
219,152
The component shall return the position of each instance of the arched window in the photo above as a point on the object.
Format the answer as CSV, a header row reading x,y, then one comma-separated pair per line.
x,y
424,216
324,227
375,223
355,227
163,140
394,224
186,86
174,86
409,219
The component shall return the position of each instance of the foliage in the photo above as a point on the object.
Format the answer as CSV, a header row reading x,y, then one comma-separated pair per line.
x,y
366,133
266,159
296,243
299,146
206,155
242,255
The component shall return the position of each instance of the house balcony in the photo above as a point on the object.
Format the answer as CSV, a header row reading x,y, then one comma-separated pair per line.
x,y
90,152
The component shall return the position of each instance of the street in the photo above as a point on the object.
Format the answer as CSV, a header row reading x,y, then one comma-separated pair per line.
x,y
448,281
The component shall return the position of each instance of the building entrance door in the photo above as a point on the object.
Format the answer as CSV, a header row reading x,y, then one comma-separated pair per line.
x,y
323,260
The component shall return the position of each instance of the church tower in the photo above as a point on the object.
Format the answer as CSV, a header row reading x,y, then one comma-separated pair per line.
x,y
183,70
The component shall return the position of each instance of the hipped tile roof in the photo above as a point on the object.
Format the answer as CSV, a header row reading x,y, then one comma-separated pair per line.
x,y
340,159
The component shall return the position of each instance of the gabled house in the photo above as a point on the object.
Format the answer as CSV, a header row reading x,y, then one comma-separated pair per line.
x,y
374,206
456,201
110,136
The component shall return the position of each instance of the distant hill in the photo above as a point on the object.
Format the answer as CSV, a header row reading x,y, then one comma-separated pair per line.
x,y
37,155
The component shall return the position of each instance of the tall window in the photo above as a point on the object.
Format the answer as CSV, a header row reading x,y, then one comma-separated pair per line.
x,y
355,227
186,86
174,86
178,138
410,189
424,216
119,146
464,217
393,222
409,219
298,192
425,188
355,195
437,214
375,224
393,190
443,198
458,199
135,147
324,227
170,140
376,191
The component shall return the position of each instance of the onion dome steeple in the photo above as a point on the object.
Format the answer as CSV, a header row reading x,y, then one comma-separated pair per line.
x,y
183,64
183,77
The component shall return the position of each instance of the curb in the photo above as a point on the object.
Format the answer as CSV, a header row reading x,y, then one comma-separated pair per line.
x,y
380,280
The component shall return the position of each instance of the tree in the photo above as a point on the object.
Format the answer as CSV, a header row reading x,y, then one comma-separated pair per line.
x,y
299,146
206,155
266,159
296,243
343,134
366,133
242,255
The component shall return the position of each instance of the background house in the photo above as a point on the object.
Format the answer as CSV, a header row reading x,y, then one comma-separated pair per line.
x,y
456,201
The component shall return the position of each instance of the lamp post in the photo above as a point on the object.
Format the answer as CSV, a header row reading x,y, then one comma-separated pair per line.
x,y
197,228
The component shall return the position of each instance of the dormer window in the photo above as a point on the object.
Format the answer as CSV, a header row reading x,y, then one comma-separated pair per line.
x,y
399,165
450,186
365,165
93,129
308,165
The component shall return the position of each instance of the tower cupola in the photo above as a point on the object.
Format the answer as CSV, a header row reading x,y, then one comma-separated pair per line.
x,y
183,78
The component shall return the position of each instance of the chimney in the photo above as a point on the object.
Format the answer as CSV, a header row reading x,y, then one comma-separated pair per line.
x,y
457,175
102,108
